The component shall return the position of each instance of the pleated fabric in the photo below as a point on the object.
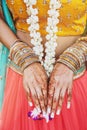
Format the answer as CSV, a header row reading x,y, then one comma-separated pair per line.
x,y
15,108
4,52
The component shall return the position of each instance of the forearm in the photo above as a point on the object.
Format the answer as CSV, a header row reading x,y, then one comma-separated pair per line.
x,y
20,53
7,37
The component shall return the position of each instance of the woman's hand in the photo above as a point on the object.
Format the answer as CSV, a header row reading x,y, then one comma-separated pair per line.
x,y
60,82
35,84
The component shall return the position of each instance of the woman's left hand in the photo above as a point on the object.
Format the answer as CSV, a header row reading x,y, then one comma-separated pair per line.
x,y
60,83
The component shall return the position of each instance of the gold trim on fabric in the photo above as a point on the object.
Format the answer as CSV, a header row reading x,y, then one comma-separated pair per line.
x,y
77,75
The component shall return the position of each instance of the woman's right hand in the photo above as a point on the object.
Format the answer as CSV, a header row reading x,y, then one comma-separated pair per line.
x,y
35,84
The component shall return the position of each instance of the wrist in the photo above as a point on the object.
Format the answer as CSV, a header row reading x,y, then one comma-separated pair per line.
x,y
31,65
64,66
15,41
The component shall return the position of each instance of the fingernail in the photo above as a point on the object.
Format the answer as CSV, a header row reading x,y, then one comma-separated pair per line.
x,y
34,113
38,109
47,119
68,105
30,104
58,112
52,115
44,113
48,110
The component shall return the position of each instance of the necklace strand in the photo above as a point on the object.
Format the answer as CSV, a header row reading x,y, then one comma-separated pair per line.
x,y
51,29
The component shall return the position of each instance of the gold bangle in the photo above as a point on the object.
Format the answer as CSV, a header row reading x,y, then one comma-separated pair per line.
x,y
23,60
82,39
15,49
70,61
73,56
17,40
75,51
16,53
22,55
67,64
29,62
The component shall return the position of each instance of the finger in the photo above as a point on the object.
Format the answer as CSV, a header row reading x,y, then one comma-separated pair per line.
x,y
40,98
69,98
50,98
35,100
41,79
28,94
44,90
37,91
26,87
43,83
30,102
55,102
60,100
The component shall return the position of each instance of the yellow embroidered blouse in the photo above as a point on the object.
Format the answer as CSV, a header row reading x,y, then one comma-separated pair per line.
x,y
72,16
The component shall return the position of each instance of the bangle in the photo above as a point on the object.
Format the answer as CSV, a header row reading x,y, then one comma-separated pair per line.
x,y
20,63
28,62
79,54
71,59
16,50
17,40
74,57
22,55
69,65
68,59
82,39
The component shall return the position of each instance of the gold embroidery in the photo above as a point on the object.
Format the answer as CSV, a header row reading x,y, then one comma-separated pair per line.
x,y
72,15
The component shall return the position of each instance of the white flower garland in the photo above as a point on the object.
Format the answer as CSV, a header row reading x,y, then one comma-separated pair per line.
x,y
51,29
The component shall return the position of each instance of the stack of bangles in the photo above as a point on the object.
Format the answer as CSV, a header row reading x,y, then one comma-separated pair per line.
x,y
22,55
75,56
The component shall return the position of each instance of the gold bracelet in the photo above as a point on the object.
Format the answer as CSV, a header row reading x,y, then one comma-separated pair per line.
x,y
22,55
28,62
68,60
75,51
17,40
74,57
67,64
15,49
23,60
82,39
71,57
